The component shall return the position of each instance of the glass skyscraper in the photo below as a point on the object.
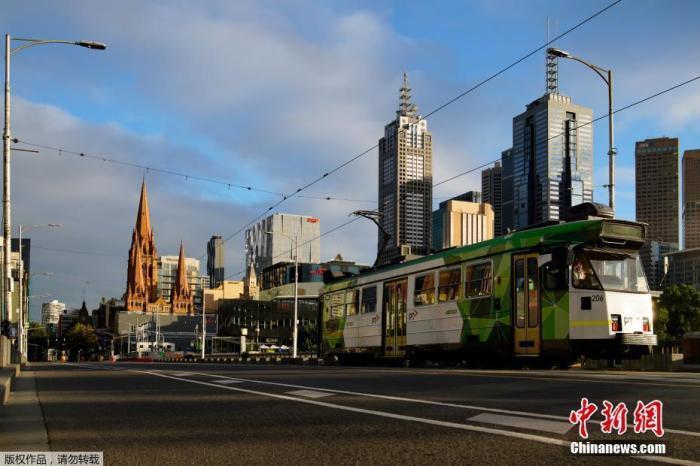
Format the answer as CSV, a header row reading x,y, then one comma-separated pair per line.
x,y
552,159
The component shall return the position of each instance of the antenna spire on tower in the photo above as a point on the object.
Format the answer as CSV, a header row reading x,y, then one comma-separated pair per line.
x,y
406,108
552,68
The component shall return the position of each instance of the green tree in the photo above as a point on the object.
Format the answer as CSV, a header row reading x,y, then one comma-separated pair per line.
x,y
679,311
81,338
308,338
38,340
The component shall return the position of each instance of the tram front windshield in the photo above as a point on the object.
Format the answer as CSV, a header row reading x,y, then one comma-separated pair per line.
x,y
610,271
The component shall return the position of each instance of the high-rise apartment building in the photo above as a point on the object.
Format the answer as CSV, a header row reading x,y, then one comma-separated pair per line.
x,y
656,187
507,191
51,312
168,268
552,159
215,261
491,185
271,240
691,198
460,223
405,182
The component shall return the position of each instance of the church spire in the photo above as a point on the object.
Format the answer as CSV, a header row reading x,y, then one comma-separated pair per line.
x,y
143,217
181,295
406,108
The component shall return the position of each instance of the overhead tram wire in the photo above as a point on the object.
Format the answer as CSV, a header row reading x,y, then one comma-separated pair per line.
x,y
432,112
60,151
621,109
85,253
352,159
334,229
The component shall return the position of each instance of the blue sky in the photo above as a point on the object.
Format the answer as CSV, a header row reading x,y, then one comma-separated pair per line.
x,y
273,94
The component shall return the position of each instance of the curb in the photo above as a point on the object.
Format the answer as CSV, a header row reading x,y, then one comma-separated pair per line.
x,y
7,377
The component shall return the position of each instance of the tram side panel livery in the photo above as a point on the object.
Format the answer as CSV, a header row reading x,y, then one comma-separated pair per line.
x,y
554,292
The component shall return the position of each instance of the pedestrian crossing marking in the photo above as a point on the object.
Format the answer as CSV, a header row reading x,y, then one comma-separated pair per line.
x,y
544,425
309,393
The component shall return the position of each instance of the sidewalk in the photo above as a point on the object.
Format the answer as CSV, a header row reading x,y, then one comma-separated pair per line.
x,y
21,419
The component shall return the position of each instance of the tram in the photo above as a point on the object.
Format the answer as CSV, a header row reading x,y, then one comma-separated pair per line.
x,y
552,293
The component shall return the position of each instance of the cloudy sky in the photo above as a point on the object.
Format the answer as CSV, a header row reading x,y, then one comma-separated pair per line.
x,y
273,94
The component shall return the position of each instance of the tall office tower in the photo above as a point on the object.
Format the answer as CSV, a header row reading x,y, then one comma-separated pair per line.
x,y
507,191
459,223
271,241
215,261
552,159
491,182
652,255
656,177
405,182
691,198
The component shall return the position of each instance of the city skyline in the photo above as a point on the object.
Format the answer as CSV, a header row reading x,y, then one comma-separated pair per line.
x,y
102,105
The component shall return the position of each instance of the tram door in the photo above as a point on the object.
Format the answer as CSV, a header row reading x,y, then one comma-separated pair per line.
x,y
526,305
395,318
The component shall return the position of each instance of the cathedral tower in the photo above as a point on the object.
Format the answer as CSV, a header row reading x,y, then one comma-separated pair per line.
x,y
142,274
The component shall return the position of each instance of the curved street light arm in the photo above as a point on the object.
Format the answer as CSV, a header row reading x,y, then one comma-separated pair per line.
x,y
33,42
599,71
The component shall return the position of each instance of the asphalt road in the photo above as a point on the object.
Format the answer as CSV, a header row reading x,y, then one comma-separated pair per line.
x,y
245,414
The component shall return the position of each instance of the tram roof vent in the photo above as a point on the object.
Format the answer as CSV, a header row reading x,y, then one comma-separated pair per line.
x,y
587,211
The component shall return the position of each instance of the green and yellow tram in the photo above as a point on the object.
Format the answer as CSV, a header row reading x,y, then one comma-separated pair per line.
x,y
553,293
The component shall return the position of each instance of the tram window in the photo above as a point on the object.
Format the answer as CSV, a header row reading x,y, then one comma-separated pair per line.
x,y
424,292
520,294
582,273
533,319
449,285
554,271
478,280
369,299
353,301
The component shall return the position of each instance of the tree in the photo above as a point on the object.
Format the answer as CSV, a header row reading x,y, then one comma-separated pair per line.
x,y
307,338
679,312
38,340
81,338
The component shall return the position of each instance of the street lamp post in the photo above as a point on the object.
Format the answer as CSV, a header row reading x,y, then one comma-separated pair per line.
x,y
606,75
6,150
21,314
294,238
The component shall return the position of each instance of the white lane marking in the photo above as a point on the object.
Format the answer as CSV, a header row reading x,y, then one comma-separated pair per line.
x,y
402,417
227,381
181,374
309,393
429,402
554,427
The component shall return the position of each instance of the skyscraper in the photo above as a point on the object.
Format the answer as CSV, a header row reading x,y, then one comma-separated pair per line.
x,y
552,159
691,198
491,182
405,181
263,249
459,223
656,186
215,261
507,191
